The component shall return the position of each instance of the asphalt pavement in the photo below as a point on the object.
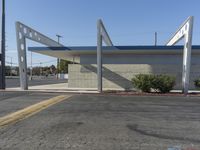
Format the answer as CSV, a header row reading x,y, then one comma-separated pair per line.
x,y
15,82
14,101
102,122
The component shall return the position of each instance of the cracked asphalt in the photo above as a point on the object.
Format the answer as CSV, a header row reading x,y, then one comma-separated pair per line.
x,y
105,122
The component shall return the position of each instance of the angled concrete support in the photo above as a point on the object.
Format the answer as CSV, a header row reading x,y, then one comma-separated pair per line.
x,y
185,31
24,32
102,36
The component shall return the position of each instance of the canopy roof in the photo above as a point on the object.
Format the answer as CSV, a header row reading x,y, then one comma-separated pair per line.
x,y
74,51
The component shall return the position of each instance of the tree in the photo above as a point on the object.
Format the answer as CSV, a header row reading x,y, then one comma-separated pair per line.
x,y
63,66
36,71
52,69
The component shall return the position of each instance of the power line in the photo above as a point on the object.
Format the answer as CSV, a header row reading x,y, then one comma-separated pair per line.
x,y
45,62
40,63
11,63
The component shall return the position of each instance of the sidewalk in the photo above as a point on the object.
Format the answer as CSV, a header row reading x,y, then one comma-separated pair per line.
x,y
58,88
63,87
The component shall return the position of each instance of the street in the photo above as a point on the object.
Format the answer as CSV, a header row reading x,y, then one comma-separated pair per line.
x,y
102,122
15,82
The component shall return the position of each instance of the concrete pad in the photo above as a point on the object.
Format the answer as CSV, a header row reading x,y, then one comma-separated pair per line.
x,y
55,88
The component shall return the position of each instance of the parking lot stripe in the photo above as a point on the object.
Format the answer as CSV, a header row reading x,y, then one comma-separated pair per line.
x,y
31,110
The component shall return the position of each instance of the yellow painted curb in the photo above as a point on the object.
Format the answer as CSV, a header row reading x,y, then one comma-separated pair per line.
x,y
31,110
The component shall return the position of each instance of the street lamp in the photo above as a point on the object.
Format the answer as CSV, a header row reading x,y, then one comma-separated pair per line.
x,y
58,60
2,51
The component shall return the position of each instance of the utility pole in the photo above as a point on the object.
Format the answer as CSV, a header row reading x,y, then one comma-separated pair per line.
x,y
58,60
2,51
11,68
40,70
155,38
31,69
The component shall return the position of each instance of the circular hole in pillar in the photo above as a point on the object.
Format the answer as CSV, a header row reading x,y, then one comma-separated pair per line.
x,y
22,46
20,35
182,31
186,26
25,30
39,39
22,58
31,34
35,33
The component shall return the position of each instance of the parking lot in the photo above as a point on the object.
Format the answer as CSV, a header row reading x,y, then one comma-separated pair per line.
x,y
102,122
15,82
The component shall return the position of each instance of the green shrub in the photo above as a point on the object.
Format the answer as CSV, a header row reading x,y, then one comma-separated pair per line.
x,y
143,82
160,83
197,83
163,83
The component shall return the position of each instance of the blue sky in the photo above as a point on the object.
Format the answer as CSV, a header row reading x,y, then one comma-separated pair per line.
x,y
129,22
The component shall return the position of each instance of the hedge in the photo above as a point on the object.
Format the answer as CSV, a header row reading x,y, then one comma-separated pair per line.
x,y
159,83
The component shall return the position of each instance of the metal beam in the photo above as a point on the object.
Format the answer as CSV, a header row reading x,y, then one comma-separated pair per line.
x,y
184,31
24,32
102,36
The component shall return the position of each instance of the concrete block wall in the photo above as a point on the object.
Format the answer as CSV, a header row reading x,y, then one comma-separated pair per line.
x,y
118,76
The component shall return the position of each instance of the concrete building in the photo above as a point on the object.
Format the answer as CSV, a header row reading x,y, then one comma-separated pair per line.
x,y
121,63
